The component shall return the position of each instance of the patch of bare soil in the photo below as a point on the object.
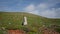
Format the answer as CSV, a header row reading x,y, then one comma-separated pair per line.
x,y
16,32
49,31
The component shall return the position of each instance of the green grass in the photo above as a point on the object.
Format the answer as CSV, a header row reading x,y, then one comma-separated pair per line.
x,y
16,19
1,32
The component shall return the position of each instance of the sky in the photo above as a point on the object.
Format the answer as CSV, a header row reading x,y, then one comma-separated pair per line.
x,y
46,8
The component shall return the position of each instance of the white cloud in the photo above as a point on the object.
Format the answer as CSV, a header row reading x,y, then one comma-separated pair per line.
x,y
30,8
42,6
42,9
48,13
58,9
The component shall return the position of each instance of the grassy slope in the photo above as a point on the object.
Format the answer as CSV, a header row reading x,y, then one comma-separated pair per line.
x,y
16,19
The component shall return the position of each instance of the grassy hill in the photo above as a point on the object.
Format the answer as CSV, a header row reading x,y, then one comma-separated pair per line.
x,y
13,20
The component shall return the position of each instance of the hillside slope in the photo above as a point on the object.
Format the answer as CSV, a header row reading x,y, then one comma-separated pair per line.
x,y
16,19
13,20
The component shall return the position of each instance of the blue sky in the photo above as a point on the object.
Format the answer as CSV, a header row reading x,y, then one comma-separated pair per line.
x,y
46,8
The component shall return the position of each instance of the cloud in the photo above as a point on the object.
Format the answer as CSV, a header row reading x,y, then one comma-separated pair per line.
x,y
48,13
30,8
45,9
42,6
58,12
